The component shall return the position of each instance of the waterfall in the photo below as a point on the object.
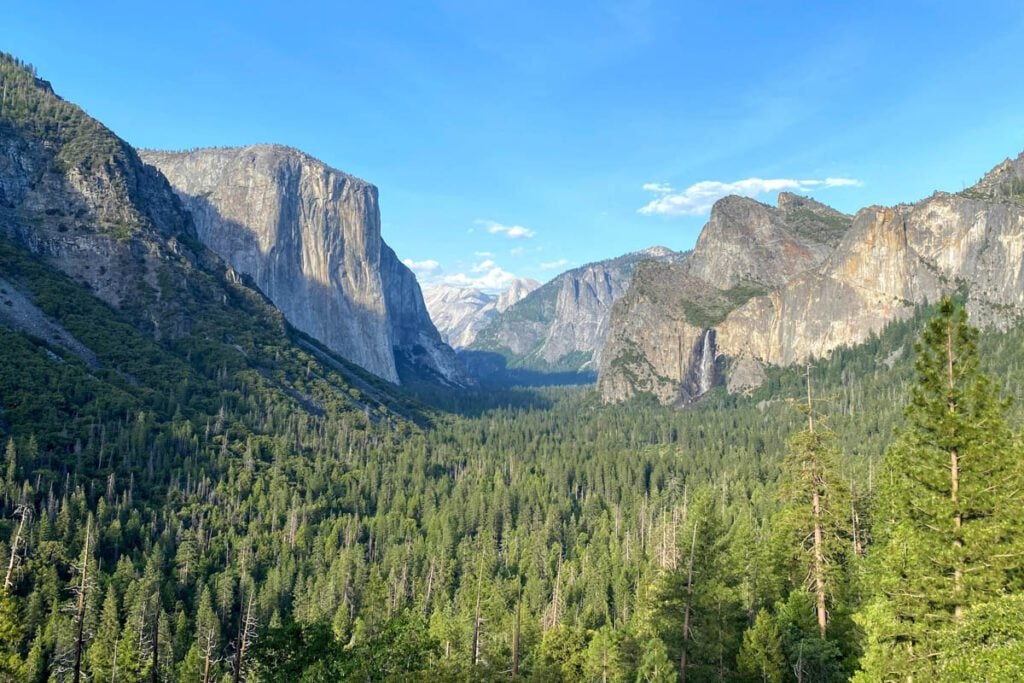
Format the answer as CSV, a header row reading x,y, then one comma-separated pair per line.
x,y
707,364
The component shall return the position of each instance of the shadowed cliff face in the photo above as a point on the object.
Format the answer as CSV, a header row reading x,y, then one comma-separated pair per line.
x,y
808,299
309,237
78,197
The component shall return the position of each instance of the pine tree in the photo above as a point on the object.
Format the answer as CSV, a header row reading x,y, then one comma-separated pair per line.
x,y
655,666
101,656
603,658
207,636
760,659
949,511
11,633
816,511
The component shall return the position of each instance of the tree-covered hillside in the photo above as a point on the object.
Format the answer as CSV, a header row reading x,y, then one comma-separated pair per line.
x,y
561,539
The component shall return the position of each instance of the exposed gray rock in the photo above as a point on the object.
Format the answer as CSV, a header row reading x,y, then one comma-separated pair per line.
x,y
459,313
745,374
79,198
514,293
18,312
658,329
837,292
309,237
745,241
563,325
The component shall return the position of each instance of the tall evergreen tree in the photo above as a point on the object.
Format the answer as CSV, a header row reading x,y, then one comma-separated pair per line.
x,y
102,654
950,532
816,512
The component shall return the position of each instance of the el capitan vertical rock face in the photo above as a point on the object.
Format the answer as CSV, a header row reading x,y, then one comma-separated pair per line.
x,y
818,297
309,237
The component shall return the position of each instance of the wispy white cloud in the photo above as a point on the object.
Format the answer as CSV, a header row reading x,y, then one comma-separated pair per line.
x,y
660,188
423,269
551,265
483,254
698,198
510,231
492,278
517,251
486,275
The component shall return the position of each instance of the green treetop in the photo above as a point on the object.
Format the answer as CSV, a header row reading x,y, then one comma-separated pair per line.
x,y
950,531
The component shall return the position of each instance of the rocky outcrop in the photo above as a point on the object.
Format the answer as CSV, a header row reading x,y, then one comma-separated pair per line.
x,y
747,242
888,261
563,325
459,313
666,325
309,237
79,198
518,290
892,260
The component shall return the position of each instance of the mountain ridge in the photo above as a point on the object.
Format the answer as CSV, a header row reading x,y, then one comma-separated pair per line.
x,y
562,325
886,261
459,313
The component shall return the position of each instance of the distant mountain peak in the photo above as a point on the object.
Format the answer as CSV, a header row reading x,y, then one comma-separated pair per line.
x,y
517,290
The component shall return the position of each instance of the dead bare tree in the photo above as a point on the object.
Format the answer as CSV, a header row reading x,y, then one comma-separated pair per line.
x,y
24,512
82,591
246,636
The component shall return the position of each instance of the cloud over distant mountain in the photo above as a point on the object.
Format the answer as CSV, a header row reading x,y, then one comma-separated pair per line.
x,y
697,199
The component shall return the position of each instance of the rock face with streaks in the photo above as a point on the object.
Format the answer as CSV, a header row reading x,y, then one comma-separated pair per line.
x,y
80,199
563,325
835,293
664,337
309,237
459,313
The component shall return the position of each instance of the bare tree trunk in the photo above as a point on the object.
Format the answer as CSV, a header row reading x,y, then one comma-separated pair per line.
x,y
686,611
819,564
810,403
246,632
819,542
954,493
24,510
155,669
476,624
80,618
430,586
515,632
858,547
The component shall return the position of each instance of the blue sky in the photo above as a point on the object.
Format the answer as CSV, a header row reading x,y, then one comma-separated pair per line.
x,y
517,138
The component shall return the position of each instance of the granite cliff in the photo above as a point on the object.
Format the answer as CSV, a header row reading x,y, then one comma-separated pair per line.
x,y
808,299
309,237
459,313
112,308
562,326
